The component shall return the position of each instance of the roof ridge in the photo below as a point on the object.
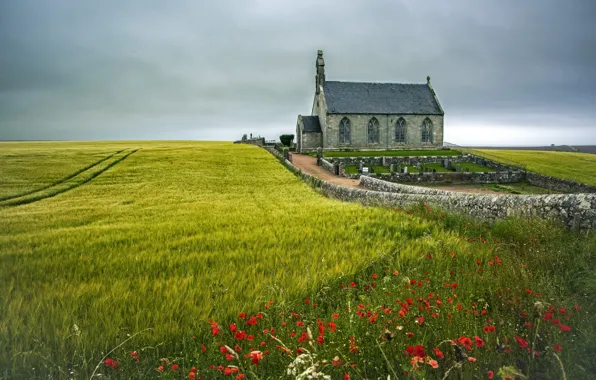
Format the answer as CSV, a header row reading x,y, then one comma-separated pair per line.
x,y
356,82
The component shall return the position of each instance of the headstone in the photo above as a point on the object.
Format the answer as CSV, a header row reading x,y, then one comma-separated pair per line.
x,y
457,168
434,170
384,161
467,170
319,156
364,170
419,166
361,165
392,168
405,170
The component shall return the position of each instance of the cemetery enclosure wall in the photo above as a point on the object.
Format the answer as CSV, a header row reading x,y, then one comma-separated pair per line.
x,y
460,178
573,210
415,160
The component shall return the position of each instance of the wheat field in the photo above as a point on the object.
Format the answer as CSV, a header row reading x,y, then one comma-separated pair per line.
x,y
173,234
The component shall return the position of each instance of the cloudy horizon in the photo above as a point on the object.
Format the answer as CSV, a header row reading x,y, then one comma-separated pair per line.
x,y
507,73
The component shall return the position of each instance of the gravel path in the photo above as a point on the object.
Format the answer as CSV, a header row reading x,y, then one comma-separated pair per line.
x,y
309,165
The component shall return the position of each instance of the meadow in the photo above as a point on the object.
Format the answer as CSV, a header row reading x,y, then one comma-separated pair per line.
x,y
579,167
151,267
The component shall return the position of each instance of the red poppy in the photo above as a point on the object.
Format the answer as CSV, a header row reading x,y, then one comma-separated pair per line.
x,y
112,363
409,334
240,376
490,374
134,355
175,367
256,356
192,375
229,357
233,327
465,341
336,362
522,343
565,328
160,368
320,339
353,284
438,353
479,342
557,347
251,321
332,326
489,328
346,376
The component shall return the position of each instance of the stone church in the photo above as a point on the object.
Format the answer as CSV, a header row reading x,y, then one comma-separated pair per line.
x,y
370,116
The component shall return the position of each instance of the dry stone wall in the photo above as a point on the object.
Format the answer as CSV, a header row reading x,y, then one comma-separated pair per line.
x,y
572,210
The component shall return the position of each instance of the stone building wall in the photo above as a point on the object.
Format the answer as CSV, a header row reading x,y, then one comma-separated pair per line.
x,y
310,141
572,210
387,124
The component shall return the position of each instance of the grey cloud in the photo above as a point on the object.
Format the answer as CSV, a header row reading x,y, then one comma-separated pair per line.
x,y
217,69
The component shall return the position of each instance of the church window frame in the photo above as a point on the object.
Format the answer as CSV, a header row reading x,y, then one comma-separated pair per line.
x,y
427,131
400,130
373,131
345,131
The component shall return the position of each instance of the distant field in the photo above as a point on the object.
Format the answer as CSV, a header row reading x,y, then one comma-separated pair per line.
x,y
393,153
580,167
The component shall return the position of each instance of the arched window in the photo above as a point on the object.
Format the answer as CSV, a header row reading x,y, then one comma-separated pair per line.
x,y
427,131
400,130
344,131
373,131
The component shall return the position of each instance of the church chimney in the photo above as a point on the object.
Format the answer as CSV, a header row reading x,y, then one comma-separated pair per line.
x,y
320,77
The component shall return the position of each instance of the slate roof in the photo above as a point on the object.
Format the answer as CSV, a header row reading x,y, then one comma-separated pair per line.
x,y
380,98
311,124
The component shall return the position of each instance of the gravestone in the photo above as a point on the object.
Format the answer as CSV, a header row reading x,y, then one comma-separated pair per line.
x,y
361,165
405,170
457,168
384,161
319,155
419,166
434,170
392,168
467,170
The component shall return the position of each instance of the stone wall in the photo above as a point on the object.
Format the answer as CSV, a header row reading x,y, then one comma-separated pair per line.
x,y
557,184
414,160
453,178
572,210
387,124
326,165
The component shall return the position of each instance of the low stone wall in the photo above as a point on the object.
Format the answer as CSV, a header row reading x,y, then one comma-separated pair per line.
x,y
326,165
459,178
573,210
557,184
422,160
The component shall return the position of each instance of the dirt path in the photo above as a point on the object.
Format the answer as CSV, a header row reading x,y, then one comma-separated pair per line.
x,y
309,165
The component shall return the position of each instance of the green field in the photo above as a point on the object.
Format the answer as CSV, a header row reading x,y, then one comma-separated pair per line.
x,y
141,255
579,167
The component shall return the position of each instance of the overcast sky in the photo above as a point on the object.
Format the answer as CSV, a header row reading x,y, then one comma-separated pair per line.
x,y
507,72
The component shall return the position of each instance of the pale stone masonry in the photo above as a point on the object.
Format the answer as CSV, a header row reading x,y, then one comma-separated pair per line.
x,y
370,116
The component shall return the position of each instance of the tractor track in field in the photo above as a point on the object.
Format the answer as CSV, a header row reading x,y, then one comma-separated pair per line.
x,y
63,185
70,176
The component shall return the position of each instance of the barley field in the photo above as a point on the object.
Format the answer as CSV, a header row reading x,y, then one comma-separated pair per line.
x,y
136,259
579,167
